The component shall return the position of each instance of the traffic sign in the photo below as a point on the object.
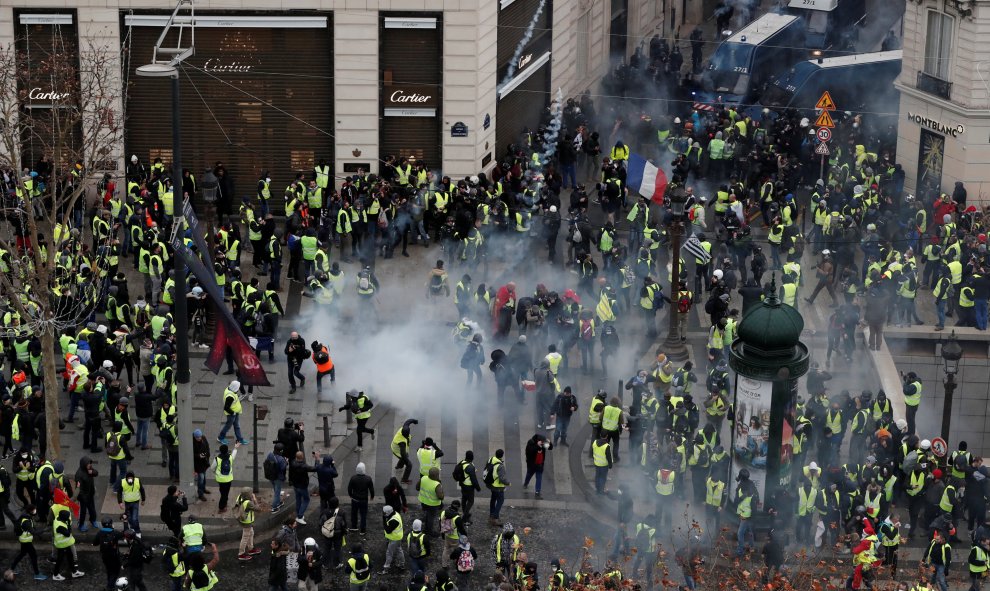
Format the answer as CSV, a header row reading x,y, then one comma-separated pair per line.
x,y
824,120
825,103
824,134
939,447
822,150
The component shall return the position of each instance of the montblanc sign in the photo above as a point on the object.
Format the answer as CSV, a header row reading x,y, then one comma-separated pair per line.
x,y
954,130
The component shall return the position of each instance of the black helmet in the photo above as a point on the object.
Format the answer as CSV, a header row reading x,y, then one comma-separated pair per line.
x,y
289,423
743,475
107,522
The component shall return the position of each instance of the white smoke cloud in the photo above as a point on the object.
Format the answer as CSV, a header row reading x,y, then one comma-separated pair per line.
x,y
527,36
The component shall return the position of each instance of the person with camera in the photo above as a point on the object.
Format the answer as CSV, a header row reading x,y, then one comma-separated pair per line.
x,y
291,436
173,506
295,355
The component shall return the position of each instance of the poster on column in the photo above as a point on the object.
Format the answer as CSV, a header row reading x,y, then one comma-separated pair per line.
x,y
751,432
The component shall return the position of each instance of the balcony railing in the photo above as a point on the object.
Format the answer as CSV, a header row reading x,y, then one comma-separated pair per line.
x,y
932,85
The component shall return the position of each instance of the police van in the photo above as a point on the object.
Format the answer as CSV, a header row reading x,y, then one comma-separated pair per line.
x,y
829,23
845,78
744,62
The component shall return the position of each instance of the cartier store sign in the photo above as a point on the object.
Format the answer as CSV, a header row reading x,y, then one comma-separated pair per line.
x,y
410,100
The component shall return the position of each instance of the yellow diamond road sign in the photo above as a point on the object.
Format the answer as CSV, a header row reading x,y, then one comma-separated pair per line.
x,y
825,103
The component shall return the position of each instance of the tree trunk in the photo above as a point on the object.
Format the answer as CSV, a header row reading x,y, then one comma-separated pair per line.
x,y
53,391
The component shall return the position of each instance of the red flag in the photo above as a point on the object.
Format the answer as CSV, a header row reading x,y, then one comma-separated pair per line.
x,y
250,372
661,187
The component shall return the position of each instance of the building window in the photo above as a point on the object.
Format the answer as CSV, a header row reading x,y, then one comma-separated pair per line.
x,y
938,47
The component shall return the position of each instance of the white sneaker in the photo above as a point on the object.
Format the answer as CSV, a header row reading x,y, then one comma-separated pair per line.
x,y
78,574
300,521
58,578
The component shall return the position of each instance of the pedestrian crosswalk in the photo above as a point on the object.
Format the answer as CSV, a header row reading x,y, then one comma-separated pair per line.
x,y
468,424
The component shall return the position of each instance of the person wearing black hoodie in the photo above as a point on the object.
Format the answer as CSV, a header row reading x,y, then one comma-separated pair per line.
x,y
326,472
173,506
144,409
395,496
137,557
86,493
108,539
361,489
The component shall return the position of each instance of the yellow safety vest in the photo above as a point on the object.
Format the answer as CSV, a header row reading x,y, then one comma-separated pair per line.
x,y
713,496
235,406
427,459
131,493
610,418
397,439
595,410
806,500
428,492
600,453
665,486
914,399
229,476
396,534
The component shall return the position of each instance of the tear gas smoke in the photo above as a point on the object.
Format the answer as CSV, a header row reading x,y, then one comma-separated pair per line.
x,y
527,36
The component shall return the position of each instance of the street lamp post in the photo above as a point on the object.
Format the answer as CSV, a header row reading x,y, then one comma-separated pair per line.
x,y
161,70
210,186
259,414
673,346
951,354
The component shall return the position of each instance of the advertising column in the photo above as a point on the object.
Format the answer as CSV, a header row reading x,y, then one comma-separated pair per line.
x,y
411,81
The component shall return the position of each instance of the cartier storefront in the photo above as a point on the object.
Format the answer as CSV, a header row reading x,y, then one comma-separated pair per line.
x,y
411,87
256,96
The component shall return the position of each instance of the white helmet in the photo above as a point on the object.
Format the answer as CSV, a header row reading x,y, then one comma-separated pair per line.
x,y
235,385
718,273
122,584
926,444
309,542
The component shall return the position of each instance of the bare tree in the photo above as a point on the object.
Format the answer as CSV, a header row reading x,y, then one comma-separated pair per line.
x,y
57,285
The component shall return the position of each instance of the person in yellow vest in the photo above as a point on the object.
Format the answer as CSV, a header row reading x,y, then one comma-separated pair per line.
x,y
912,398
202,575
807,495
26,529
666,480
979,560
360,405
613,422
232,412
746,501
431,497
393,530
496,479
246,503
223,470
602,453
714,500
131,497
595,415
65,547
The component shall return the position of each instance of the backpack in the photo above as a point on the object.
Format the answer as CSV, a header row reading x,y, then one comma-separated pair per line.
x,y
322,357
465,562
238,510
459,472
382,220
436,283
364,282
489,474
329,527
577,237
684,304
587,330
415,547
270,467
224,465
446,525
112,447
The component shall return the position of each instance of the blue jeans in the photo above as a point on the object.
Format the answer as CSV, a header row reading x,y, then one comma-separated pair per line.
x,y
495,506
302,501
276,271
538,472
115,467
601,477
745,531
938,577
276,494
132,510
940,311
235,421
570,172
142,432
201,484
981,314
74,398
560,433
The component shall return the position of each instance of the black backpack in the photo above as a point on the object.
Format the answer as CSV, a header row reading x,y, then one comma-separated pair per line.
x,y
489,475
459,472
270,467
322,357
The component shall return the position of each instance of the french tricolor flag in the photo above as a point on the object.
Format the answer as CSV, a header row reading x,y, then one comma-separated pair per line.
x,y
645,178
